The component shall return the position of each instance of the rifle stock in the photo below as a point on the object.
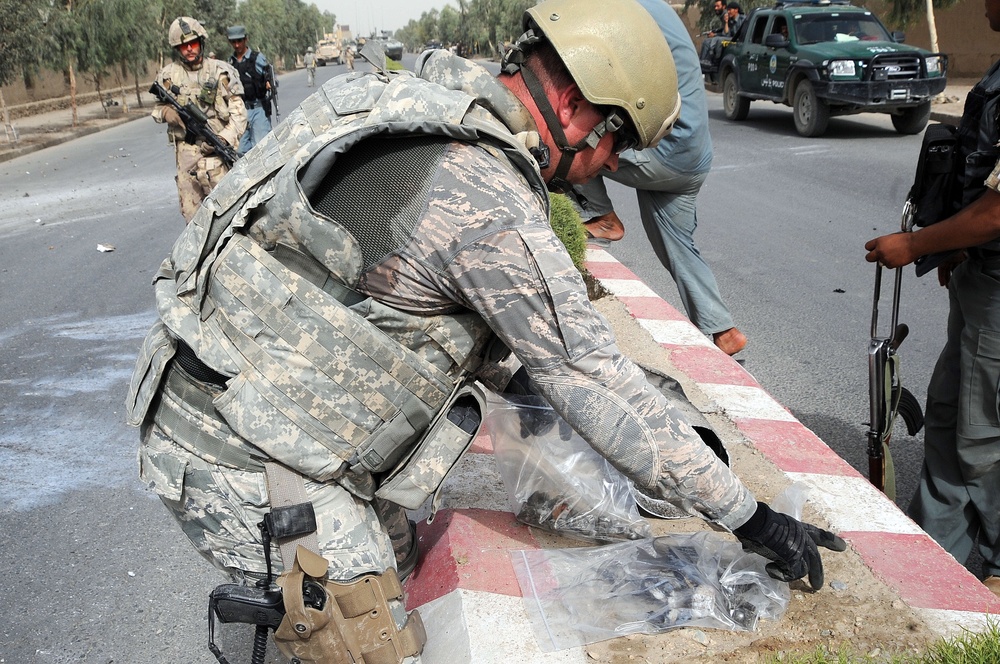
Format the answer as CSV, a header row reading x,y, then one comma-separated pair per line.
x,y
196,124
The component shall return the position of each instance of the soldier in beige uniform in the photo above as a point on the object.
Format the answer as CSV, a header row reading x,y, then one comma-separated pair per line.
x,y
314,327
215,88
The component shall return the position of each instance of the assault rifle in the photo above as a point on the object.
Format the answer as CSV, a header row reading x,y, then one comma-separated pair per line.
x,y
195,123
887,396
272,96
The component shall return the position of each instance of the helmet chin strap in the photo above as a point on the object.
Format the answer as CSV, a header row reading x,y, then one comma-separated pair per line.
x,y
511,62
558,182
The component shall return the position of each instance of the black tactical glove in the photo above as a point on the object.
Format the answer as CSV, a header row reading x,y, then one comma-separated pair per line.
x,y
791,544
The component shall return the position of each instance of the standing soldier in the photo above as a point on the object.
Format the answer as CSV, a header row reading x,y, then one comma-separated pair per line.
x,y
349,56
215,89
310,61
957,502
253,68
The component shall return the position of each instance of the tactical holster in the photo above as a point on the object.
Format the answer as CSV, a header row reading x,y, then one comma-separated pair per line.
x,y
328,622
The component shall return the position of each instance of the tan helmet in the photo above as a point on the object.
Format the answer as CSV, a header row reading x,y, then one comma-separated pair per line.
x,y
185,29
617,56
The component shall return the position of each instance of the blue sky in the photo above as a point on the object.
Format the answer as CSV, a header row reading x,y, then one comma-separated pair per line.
x,y
363,16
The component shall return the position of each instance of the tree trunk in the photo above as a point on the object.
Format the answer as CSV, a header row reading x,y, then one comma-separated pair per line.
x,y
100,96
932,26
72,95
8,129
120,76
138,92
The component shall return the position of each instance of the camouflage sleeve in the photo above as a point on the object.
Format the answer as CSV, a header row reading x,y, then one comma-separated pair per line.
x,y
488,235
232,89
163,78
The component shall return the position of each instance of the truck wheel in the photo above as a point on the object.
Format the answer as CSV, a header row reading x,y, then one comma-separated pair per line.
x,y
912,120
735,106
811,113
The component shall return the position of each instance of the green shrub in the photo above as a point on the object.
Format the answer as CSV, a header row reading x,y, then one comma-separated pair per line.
x,y
568,227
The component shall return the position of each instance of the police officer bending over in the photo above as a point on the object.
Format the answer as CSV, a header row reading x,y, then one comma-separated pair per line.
x,y
313,326
214,87
253,68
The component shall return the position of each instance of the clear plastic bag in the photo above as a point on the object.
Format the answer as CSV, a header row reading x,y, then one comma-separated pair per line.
x,y
554,478
585,595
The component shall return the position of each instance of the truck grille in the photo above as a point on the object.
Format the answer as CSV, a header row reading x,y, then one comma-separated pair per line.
x,y
895,67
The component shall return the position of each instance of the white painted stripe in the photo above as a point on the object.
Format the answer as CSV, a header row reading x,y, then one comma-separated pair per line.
x,y
852,503
745,401
628,288
814,147
677,332
599,256
954,623
471,627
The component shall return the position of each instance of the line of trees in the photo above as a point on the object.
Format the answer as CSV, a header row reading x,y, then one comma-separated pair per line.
x,y
113,43
477,26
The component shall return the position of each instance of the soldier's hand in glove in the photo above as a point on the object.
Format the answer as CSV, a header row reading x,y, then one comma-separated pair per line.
x,y
791,544
173,118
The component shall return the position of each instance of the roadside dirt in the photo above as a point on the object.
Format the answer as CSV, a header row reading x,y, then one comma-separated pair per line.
x,y
865,616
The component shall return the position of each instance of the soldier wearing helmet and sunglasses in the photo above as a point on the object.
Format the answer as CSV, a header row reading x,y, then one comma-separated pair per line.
x,y
362,272
215,88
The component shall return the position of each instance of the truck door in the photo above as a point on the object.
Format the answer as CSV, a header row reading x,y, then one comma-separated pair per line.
x,y
755,65
776,70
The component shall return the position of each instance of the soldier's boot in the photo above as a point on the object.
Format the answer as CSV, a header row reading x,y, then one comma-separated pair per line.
x,y
403,535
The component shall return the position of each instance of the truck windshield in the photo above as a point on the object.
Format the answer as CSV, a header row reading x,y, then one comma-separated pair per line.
x,y
840,27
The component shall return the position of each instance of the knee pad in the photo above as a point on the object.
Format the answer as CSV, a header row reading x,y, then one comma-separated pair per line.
x,y
331,622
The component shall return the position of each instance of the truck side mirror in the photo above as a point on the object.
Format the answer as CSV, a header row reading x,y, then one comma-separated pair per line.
x,y
775,41
899,37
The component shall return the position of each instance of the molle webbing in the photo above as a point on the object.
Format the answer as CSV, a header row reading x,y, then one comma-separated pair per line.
x,y
314,361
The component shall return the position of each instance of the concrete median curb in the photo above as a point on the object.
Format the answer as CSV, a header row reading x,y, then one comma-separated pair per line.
x,y
465,572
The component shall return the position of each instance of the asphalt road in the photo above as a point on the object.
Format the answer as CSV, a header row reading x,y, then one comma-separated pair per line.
x,y
98,571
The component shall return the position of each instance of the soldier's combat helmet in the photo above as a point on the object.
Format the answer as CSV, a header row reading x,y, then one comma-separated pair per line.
x,y
185,29
617,56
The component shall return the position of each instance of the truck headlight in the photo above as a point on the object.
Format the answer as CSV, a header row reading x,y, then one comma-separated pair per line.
x,y
845,68
934,65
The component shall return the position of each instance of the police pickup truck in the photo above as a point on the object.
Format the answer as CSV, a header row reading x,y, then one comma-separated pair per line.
x,y
825,58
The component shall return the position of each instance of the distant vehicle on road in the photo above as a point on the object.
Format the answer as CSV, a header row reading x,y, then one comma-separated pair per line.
x,y
826,58
393,48
328,51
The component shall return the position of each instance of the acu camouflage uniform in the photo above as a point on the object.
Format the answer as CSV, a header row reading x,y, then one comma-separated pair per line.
x,y
466,252
215,88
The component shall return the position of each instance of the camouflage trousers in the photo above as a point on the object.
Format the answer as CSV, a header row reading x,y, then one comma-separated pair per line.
x,y
218,508
197,175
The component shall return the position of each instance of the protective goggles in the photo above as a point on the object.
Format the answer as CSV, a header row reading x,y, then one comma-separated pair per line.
x,y
616,124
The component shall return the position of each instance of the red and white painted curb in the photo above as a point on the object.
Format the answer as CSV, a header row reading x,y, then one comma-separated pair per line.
x,y
465,584
925,576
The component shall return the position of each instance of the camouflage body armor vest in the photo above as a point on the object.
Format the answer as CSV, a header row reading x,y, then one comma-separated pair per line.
x,y
332,384
201,86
